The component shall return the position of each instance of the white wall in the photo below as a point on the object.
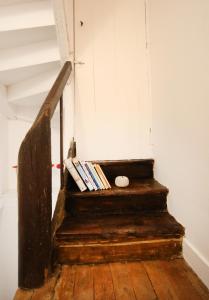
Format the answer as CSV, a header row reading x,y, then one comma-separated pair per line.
x,y
17,132
113,111
180,91
3,139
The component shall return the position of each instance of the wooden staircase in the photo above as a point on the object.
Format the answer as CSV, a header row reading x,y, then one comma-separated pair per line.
x,y
120,224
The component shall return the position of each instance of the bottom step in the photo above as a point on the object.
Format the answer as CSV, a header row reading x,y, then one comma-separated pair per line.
x,y
111,238
130,251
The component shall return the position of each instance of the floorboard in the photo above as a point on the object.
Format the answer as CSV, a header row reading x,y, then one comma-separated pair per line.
x,y
140,281
122,282
148,280
103,283
65,286
83,289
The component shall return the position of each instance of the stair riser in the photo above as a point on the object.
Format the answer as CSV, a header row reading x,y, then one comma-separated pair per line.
x,y
116,204
160,249
139,169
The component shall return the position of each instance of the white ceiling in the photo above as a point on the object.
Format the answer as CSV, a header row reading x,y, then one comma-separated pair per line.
x,y
11,2
17,38
16,75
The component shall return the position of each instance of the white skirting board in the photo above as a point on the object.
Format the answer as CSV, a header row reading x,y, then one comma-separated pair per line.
x,y
197,262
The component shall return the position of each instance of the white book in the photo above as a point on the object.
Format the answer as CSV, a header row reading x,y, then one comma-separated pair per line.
x,y
74,173
88,175
82,174
101,186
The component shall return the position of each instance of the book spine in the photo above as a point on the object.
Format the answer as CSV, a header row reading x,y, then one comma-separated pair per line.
x,y
92,175
82,174
101,176
74,173
101,186
88,175
105,178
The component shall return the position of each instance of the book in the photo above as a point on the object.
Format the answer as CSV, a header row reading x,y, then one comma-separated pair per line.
x,y
88,175
101,186
103,177
107,181
74,173
100,176
82,174
89,168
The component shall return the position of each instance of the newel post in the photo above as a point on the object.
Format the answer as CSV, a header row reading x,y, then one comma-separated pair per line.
x,y
35,204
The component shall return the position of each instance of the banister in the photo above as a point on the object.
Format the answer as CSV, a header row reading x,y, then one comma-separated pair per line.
x,y
35,191
56,91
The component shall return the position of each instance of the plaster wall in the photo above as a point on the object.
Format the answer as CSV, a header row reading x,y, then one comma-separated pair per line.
x,y
179,47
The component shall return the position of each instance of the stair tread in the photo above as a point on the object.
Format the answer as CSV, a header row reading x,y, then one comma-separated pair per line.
x,y
110,228
136,187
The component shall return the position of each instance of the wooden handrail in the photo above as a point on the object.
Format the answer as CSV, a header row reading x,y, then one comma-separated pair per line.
x,y
35,190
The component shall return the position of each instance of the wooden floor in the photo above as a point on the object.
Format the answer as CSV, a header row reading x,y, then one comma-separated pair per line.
x,y
121,281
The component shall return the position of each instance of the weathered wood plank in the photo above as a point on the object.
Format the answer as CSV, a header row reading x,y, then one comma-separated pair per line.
x,y
56,91
122,284
34,192
23,294
160,281
46,292
134,169
180,282
113,252
65,285
140,281
170,281
193,278
35,206
83,289
59,212
115,228
163,280
103,283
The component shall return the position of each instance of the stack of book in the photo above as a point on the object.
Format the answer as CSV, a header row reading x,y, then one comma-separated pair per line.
x,y
87,175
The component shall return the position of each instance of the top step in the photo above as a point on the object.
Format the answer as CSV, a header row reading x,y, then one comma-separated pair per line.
x,y
133,169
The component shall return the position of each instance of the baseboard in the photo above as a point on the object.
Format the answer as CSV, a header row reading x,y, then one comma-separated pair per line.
x,y
196,261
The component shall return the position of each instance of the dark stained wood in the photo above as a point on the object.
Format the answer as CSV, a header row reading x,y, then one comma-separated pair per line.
x,y
97,239
125,227
61,144
83,253
65,286
103,283
142,286
56,92
139,280
34,192
122,282
59,213
134,169
83,289
35,205
140,195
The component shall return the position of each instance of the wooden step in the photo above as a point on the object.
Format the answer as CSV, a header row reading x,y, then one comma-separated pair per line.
x,y
140,195
133,169
127,237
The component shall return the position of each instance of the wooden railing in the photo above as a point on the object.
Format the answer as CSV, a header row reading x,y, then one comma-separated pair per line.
x,y
35,190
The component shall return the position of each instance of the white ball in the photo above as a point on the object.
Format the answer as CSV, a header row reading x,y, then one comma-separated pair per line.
x,y
121,181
